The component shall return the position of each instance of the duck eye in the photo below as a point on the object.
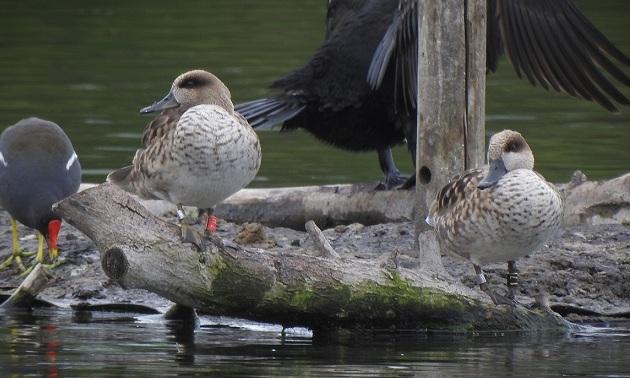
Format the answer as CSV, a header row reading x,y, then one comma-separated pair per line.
x,y
512,147
189,83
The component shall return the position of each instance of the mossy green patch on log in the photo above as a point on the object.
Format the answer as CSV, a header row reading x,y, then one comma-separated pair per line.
x,y
396,302
317,299
233,287
393,303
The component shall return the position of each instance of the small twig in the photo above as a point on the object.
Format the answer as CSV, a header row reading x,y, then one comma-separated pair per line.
x,y
25,294
326,250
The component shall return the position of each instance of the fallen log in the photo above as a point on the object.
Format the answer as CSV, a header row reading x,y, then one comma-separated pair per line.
x,y
140,250
292,207
587,202
597,202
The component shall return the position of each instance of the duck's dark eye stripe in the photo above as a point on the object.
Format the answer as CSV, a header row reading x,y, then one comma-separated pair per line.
x,y
194,82
190,83
513,147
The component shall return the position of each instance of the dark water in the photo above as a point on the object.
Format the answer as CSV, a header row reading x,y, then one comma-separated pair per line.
x,y
90,65
56,343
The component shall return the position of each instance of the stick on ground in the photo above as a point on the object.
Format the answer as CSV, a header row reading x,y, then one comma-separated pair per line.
x,y
25,294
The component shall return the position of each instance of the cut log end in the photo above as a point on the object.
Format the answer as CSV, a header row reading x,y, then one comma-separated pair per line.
x,y
114,263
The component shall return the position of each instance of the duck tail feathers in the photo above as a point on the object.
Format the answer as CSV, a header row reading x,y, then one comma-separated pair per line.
x,y
120,177
267,112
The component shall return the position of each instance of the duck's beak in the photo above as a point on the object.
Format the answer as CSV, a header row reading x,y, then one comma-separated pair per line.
x,y
495,172
167,102
51,239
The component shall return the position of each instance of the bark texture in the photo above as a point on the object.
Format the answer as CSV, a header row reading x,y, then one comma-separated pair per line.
x,y
597,202
587,202
140,250
26,293
451,101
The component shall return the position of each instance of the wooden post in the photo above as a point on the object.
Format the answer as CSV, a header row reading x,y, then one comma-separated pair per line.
x,y
451,83
476,18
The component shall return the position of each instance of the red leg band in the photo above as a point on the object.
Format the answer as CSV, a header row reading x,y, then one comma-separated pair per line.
x,y
211,223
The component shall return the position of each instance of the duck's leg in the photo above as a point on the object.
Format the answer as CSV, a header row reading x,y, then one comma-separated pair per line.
x,y
392,177
189,235
16,253
497,299
512,280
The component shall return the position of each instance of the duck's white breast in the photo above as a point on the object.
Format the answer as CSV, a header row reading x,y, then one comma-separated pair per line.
x,y
506,221
215,154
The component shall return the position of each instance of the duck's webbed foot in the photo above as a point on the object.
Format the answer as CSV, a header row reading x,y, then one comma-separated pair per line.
x,y
392,177
499,299
189,235
496,298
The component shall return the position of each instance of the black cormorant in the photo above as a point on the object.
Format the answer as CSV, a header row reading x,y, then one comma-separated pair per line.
x,y
358,91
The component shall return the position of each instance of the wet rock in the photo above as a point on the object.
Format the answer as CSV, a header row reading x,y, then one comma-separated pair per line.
x,y
88,293
341,229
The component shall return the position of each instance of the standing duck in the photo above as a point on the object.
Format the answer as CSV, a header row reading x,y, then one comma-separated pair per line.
x,y
359,90
499,213
38,167
197,152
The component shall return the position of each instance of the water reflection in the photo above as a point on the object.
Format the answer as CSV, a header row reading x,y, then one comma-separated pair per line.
x,y
58,343
183,333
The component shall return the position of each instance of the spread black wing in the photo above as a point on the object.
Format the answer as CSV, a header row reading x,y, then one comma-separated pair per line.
x,y
549,42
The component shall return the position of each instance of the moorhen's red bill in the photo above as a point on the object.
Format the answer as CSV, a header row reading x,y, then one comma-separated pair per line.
x,y
38,167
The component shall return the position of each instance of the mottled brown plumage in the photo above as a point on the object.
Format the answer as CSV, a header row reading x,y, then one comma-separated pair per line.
x,y
198,151
499,213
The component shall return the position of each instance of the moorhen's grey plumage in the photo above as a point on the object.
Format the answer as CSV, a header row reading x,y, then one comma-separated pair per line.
x,y
197,152
358,91
497,213
38,167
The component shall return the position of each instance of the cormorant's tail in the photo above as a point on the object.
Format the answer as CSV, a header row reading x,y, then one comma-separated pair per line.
x,y
268,112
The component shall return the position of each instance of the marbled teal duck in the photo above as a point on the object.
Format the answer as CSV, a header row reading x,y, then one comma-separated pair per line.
x,y
38,167
358,91
197,152
498,213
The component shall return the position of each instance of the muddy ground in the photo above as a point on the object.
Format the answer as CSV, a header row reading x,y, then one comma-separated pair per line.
x,y
585,267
